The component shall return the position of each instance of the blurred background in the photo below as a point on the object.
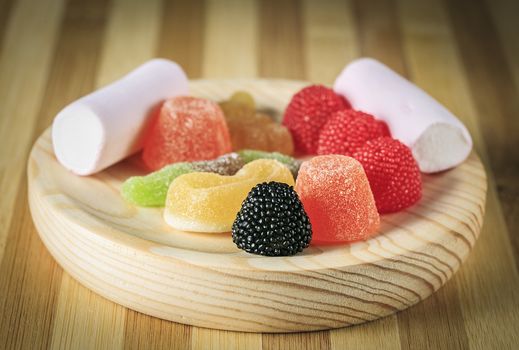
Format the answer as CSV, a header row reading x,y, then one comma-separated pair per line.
x,y
465,53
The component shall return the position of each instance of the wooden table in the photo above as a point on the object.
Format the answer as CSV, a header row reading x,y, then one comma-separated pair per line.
x,y
465,53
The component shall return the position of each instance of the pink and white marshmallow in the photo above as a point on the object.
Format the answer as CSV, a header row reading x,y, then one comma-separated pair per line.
x,y
437,139
108,125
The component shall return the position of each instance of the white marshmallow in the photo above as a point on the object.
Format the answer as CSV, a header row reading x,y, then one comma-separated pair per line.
x,y
107,125
437,138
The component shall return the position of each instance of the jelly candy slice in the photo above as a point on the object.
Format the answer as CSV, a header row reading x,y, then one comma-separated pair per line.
x,y
208,202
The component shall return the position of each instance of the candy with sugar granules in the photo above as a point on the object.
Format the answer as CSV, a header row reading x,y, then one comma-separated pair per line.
x,y
151,190
347,130
438,140
336,195
254,130
109,124
307,112
207,202
187,129
228,164
248,155
392,172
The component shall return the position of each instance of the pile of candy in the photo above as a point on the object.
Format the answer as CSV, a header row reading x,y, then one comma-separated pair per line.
x,y
227,167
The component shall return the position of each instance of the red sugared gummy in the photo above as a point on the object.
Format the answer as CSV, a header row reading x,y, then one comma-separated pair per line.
x,y
347,130
392,172
336,196
307,112
187,129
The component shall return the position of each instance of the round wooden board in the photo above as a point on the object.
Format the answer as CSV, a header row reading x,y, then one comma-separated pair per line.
x,y
129,255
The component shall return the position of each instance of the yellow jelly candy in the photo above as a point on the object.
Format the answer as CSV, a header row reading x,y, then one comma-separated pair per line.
x,y
244,98
208,202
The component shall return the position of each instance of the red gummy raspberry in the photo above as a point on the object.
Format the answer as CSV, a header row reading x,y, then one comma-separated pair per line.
x,y
307,112
347,130
392,173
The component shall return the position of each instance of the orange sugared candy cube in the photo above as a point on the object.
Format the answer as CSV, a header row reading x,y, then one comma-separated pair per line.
x,y
187,129
336,195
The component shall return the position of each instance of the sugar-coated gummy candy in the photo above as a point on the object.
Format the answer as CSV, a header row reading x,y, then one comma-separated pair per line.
x,y
337,198
244,98
228,164
187,129
208,202
151,190
248,155
251,129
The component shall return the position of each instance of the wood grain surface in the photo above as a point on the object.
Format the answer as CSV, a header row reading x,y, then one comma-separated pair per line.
x,y
130,256
465,53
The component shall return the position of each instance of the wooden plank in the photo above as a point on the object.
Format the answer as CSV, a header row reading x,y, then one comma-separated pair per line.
x,y
487,286
281,53
496,96
230,43
26,267
379,34
204,338
297,341
5,14
83,319
379,334
490,82
131,38
181,34
504,18
29,284
31,33
147,332
330,39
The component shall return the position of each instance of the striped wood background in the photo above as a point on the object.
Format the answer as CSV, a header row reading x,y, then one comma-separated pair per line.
x,y
465,53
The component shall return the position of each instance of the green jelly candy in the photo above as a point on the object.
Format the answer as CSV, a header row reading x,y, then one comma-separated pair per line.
x,y
151,190
248,155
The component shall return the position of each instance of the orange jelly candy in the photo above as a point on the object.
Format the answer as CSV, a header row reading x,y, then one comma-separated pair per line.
x,y
337,198
187,129
253,130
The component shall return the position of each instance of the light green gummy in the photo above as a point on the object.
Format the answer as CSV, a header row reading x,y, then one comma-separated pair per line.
x,y
248,155
151,190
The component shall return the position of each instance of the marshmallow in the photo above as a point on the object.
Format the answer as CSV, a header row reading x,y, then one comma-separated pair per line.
x,y
107,125
437,138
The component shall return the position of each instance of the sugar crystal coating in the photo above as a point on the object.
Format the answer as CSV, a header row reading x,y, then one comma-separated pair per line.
x,y
151,190
248,155
255,130
208,202
228,164
187,129
336,195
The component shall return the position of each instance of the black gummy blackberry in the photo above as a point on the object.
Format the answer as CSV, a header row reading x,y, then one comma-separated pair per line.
x,y
272,221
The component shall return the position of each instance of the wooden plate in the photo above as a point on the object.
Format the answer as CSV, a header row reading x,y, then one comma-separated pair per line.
x,y
129,255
